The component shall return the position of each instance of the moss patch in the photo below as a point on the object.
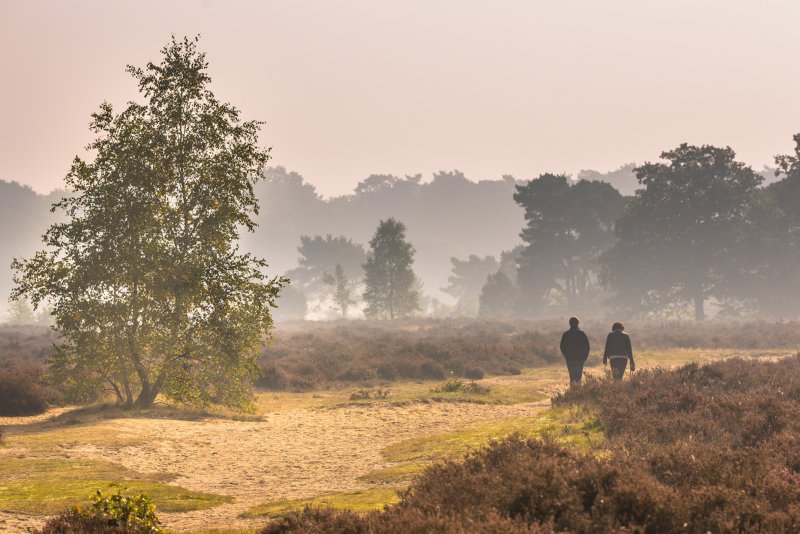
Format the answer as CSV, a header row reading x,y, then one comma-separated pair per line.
x,y
47,486
356,501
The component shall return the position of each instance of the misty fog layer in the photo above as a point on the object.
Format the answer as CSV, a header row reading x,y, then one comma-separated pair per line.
x,y
463,232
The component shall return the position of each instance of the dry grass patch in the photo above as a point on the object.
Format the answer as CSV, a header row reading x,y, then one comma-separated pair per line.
x,y
356,501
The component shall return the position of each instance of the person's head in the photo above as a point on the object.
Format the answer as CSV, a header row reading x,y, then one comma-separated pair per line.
x,y
573,322
617,326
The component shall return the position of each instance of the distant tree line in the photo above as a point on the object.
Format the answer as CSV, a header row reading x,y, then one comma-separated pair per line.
x,y
701,229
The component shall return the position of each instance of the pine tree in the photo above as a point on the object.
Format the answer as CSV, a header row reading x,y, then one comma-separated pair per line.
x,y
390,281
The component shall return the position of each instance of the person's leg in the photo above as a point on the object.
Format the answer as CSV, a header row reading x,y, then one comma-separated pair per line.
x,y
575,369
618,366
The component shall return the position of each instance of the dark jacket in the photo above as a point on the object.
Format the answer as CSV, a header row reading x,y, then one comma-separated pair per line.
x,y
575,345
618,343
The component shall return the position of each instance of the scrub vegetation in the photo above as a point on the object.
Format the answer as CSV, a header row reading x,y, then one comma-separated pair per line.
x,y
702,448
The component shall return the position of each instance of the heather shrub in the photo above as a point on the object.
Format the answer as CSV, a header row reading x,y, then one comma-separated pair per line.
x,y
368,352
306,355
473,373
76,522
712,448
25,345
22,391
114,513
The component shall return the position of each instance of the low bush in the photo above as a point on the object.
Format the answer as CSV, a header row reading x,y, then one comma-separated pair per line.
x,y
315,355
363,394
23,391
114,513
457,385
311,355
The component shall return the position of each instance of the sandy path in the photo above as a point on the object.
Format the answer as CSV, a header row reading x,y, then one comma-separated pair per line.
x,y
291,454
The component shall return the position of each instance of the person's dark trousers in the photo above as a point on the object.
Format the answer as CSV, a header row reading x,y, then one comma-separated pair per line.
x,y
618,366
575,368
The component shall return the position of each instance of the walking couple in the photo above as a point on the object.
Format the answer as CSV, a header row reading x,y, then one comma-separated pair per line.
x,y
575,348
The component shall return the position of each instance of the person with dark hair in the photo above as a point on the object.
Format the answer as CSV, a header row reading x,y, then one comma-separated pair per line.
x,y
619,351
575,348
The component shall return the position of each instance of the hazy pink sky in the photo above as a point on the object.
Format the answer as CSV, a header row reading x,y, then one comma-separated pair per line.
x,y
351,88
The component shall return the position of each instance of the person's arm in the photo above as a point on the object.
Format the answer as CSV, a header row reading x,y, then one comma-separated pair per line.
x,y
630,353
605,352
586,348
563,345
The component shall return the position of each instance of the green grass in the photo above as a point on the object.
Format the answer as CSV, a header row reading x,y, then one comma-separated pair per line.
x,y
574,427
18,469
47,486
357,501
571,426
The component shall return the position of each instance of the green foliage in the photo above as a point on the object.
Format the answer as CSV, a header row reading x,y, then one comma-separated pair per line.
x,y
390,281
45,486
114,513
146,282
120,509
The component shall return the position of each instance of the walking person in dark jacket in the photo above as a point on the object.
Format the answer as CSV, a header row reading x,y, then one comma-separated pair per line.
x,y
619,351
575,348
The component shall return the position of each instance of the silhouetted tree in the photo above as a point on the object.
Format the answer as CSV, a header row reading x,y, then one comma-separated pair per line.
x,y
320,255
509,262
568,227
342,289
466,281
447,216
682,237
498,297
390,281
778,290
145,279
622,179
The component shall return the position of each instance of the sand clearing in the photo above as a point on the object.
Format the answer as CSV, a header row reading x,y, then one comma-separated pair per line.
x,y
296,453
